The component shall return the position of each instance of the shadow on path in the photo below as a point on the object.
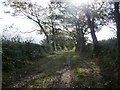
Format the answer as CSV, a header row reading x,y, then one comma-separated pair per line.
x,y
64,76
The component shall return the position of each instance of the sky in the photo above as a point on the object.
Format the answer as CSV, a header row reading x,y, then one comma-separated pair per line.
x,y
25,25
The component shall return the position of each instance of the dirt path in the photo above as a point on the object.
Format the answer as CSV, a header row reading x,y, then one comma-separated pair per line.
x,y
64,76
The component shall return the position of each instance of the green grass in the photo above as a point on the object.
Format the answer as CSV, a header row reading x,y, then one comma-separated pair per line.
x,y
86,72
43,77
15,74
41,80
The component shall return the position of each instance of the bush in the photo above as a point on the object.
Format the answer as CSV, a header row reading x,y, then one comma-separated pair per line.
x,y
16,53
107,61
109,48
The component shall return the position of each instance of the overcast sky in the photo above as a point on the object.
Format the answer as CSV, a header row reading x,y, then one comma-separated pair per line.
x,y
27,25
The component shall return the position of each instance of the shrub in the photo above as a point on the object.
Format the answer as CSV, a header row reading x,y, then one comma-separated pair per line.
x,y
16,53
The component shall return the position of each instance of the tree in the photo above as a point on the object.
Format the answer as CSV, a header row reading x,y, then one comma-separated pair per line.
x,y
75,24
53,22
117,20
96,17
33,12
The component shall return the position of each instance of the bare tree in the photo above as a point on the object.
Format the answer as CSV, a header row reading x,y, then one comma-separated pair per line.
x,y
34,12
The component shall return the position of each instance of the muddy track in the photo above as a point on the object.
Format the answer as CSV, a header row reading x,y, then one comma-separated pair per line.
x,y
64,76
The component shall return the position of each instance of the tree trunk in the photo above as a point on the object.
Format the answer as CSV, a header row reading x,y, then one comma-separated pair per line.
x,y
53,38
95,41
117,19
41,27
83,41
91,25
80,40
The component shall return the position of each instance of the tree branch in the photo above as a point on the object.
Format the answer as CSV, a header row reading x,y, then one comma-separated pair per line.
x,y
29,31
